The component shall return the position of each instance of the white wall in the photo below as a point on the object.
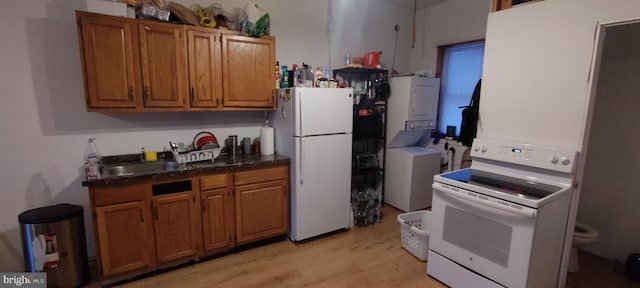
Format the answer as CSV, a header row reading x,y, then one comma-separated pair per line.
x,y
536,77
536,69
609,198
320,32
450,22
45,126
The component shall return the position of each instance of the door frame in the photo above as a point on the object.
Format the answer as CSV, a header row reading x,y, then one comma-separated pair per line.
x,y
592,87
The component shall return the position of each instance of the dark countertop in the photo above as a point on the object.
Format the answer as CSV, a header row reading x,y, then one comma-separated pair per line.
x,y
223,163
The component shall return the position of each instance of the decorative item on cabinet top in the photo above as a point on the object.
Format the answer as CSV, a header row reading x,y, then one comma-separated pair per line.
x,y
172,67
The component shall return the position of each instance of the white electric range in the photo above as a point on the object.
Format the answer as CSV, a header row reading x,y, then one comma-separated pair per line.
x,y
502,222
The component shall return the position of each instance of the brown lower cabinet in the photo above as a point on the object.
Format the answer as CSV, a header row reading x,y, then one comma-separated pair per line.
x,y
262,204
139,228
218,222
124,240
176,226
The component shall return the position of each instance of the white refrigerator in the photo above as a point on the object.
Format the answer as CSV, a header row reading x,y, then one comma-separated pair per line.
x,y
312,126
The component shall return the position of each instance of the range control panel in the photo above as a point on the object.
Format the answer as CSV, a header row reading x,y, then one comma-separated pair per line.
x,y
541,156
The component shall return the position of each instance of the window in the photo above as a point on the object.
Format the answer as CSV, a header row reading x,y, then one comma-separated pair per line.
x,y
461,70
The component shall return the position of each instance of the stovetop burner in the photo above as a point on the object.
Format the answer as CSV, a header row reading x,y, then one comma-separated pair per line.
x,y
521,188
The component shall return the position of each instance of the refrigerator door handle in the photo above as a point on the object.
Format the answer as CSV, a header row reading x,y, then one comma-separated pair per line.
x,y
301,161
300,113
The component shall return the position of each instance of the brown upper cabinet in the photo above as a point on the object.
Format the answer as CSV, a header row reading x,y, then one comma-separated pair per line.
x,y
205,68
141,65
108,48
247,60
497,5
162,58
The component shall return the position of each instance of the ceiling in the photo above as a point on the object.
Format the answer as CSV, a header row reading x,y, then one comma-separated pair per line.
x,y
408,4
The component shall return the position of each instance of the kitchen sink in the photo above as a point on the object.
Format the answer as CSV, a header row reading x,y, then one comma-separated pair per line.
x,y
139,168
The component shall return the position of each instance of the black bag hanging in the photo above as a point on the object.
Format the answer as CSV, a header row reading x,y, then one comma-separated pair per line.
x,y
469,124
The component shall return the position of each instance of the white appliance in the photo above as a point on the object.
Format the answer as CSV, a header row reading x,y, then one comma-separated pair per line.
x,y
411,109
502,222
409,174
312,126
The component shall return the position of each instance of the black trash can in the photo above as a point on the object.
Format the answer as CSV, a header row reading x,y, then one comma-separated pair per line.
x,y
53,241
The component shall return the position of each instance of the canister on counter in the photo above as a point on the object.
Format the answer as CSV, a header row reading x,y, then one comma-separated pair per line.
x,y
232,144
246,145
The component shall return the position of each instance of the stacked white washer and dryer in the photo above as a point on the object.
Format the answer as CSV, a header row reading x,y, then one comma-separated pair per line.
x,y
412,109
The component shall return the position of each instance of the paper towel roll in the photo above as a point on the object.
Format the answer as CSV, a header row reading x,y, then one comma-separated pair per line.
x,y
267,144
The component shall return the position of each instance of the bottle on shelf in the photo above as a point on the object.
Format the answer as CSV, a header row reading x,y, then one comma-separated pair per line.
x,y
297,80
92,160
316,77
285,77
307,75
277,76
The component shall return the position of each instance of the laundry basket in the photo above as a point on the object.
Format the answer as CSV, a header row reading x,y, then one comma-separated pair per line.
x,y
415,228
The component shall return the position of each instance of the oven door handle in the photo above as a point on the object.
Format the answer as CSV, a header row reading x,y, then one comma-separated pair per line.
x,y
460,195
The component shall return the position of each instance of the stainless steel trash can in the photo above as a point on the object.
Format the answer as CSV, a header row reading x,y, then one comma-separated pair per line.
x,y
53,241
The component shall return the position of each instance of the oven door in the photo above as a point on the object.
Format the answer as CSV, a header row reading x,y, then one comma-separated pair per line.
x,y
487,235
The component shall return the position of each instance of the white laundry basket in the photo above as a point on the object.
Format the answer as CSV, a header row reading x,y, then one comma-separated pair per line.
x,y
415,228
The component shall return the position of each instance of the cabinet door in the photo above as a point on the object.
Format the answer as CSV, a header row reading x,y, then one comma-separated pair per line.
x,y
123,237
163,58
205,80
175,226
497,5
262,210
248,72
217,219
110,62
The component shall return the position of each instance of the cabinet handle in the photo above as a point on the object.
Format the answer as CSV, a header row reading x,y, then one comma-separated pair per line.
x,y
204,206
155,211
192,96
130,93
146,94
141,216
147,28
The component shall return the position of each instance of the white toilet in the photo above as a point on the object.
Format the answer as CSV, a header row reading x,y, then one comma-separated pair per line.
x,y
582,235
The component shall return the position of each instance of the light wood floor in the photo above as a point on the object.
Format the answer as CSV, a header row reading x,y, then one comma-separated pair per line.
x,y
361,257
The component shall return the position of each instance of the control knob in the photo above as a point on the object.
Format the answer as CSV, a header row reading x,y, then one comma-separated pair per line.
x,y
565,160
484,149
476,148
555,159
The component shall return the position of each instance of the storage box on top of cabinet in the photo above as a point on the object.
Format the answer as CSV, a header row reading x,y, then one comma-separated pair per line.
x,y
110,8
